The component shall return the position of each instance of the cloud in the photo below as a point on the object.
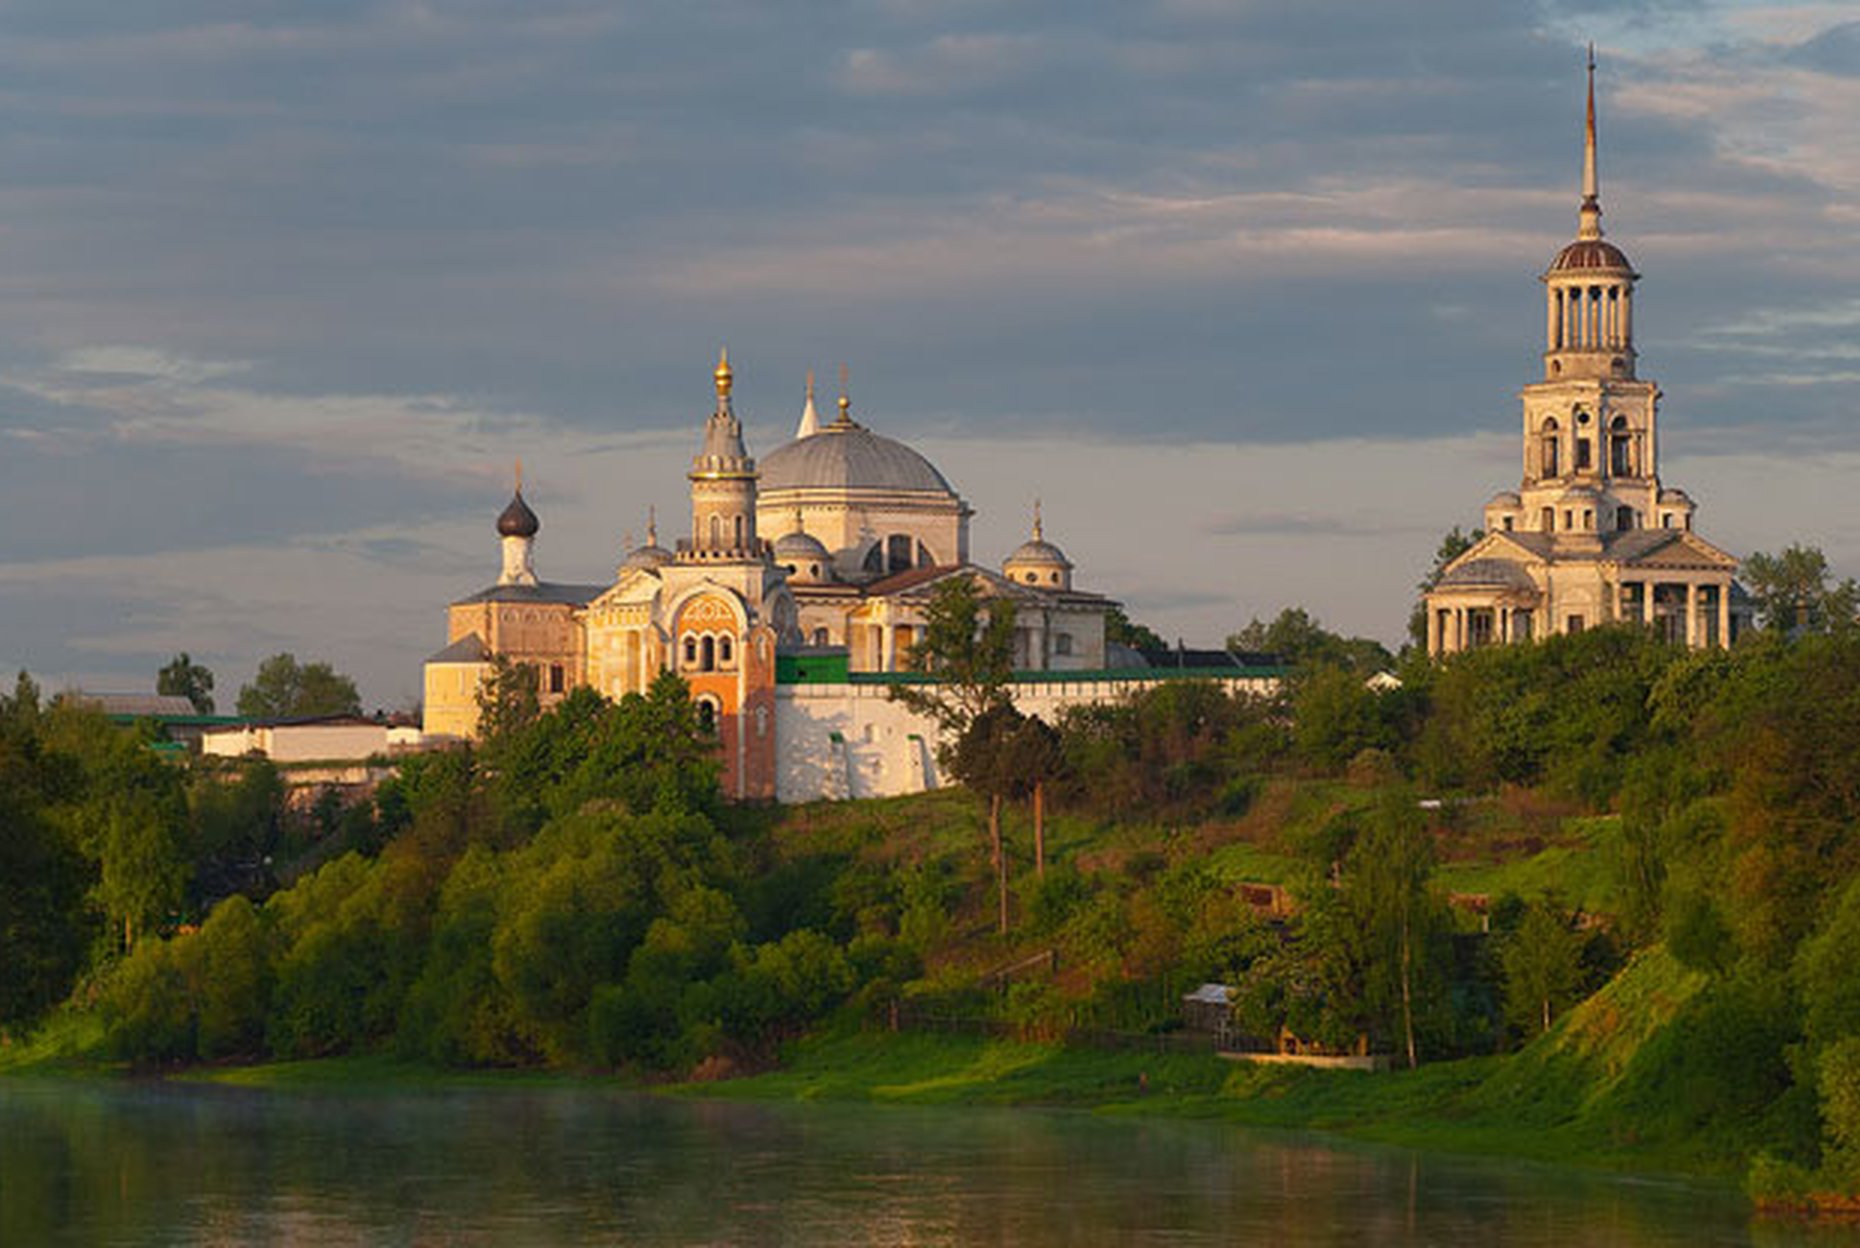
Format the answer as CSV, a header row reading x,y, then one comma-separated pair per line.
x,y
287,286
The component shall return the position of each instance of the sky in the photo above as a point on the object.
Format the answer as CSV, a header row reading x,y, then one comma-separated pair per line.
x,y
1242,290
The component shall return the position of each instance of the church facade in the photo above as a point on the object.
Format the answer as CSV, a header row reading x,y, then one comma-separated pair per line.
x,y
1591,535
787,642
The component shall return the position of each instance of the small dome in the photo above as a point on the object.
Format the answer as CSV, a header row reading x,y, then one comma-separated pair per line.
x,y
1591,254
797,545
517,519
647,557
1039,553
1671,495
1505,498
849,456
804,555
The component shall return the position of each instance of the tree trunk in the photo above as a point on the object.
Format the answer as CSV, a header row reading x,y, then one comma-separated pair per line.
x,y
1546,1014
128,934
1039,828
1001,873
1407,1004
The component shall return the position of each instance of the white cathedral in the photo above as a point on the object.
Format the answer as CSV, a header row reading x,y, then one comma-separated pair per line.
x,y
1591,535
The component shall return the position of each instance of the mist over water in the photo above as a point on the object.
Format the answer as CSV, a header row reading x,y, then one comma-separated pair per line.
x,y
130,1163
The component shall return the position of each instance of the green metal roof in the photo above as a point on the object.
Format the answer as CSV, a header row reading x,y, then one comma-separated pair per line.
x,y
834,671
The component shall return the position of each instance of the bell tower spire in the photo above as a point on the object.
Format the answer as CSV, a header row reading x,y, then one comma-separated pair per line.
x,y
1589,216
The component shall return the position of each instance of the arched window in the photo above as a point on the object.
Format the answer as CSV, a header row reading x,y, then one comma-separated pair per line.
x,y
707,647
820,636
739,533
1624,518
691,651
898,552
716,531
726,651
1551,467
1620,448
557,678
707,714
1549,520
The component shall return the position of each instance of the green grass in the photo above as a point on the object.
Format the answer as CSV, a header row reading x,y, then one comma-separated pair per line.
x,y
1552,1101
1576,868
365,1071
67,1042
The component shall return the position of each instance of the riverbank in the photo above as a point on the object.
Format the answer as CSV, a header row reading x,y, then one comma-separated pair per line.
x,y
1449,1107
1599,1090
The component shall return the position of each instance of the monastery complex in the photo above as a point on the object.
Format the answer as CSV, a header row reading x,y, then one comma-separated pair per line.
x,y
792,605
790,643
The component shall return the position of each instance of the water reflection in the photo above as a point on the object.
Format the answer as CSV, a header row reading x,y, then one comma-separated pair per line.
x,y
105,1163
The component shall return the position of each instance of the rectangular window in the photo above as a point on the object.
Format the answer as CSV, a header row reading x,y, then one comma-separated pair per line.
x,y
1582,455
1573,624
556,678
1062,643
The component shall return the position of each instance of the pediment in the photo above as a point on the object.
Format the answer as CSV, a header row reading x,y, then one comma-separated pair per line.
x,y
1510,547
1686,550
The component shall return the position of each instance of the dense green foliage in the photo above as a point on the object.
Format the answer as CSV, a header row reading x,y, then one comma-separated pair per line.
x,y
283,688
572,892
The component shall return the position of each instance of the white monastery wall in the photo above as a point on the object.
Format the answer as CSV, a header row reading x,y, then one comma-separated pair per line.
x,y
885,749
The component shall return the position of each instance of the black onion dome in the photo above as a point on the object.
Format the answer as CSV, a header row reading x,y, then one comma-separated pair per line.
x,y
517,519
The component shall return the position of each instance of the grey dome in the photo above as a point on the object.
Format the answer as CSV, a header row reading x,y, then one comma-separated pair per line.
x,y
798,545
1489,572
805,556
647,557
849,456
1041,553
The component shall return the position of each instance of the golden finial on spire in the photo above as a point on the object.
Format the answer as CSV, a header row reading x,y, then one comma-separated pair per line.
x,y
1038,535
810,385
652,526
724,376
845,401
519,474
799,527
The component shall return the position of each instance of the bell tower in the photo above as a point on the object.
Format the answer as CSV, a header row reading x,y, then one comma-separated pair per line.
x,y
723,485
1591,444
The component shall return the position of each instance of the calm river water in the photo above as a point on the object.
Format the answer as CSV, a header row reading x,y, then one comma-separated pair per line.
x,y
102,1163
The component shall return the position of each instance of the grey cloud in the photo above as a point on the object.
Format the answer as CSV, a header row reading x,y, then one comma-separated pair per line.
x,y
1303,526
106,496
1833,51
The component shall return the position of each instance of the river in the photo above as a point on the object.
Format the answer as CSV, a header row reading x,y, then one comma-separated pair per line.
x,y
95,1162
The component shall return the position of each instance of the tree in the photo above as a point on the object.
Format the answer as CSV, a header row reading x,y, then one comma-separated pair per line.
x,y
1121,630
968,648
982,759
1453,544
1385,880
184,678
284,690
1543,967
1296,637
1793,594
508,698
